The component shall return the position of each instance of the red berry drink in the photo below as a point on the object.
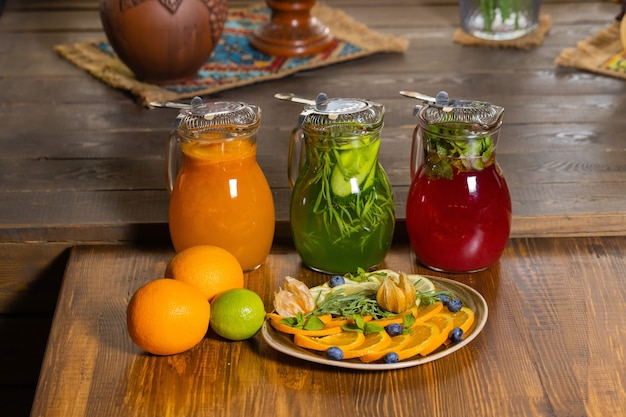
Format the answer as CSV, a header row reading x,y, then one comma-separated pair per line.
x,y
462,223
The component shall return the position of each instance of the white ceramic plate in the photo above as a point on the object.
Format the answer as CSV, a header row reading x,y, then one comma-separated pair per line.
x,y
283,342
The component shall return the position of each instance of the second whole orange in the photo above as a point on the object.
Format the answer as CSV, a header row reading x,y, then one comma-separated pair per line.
x,y
211,269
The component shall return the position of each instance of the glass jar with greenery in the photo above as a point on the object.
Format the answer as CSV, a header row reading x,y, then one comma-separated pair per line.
x,y
499,19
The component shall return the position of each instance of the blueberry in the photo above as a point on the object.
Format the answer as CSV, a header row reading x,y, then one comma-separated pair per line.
x,y
391,357
455,305
444,299
334,353
336,280
456,335
394,329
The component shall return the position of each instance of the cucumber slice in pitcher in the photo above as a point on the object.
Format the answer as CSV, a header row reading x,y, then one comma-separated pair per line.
x,y
354,166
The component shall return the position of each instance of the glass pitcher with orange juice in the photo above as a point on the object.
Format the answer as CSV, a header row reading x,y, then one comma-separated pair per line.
x,y
219,194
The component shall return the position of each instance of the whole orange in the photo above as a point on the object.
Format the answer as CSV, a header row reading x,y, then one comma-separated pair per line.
x,y
211,269
165,317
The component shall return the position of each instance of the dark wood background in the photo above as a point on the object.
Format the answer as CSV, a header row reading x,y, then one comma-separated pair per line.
x,y
83,163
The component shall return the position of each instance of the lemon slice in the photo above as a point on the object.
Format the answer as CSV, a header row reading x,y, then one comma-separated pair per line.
x,y
355,164
321,292
374,279
421,283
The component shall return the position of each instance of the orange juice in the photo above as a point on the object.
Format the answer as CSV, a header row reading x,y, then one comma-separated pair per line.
x,y
221,197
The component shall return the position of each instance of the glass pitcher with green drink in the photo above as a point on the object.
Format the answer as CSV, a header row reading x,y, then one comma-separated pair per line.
x,y
342,212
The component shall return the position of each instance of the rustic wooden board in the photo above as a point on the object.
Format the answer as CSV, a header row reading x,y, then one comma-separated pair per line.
x,y
551,345
83,163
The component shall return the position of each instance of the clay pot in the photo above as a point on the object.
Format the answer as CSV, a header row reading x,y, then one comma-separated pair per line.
x,y
163,41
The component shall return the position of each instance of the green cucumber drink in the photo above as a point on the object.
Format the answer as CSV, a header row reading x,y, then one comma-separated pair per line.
x,y
342,210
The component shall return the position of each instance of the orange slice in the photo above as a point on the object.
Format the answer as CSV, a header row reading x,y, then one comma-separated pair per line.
x,y
343,340
425,312
398,319
398,343
275,322
338,321
445,324
422,336
463,319
325,318
373,342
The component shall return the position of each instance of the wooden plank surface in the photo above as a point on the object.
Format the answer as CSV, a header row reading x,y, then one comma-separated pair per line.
x,y
88,161
552,345
83,163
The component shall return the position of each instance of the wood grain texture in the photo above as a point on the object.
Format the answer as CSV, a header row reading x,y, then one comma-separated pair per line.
x,y
551,346
83,163
30,278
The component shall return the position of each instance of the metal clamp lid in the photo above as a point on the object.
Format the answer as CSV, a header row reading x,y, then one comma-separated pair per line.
x,y
480,115
231,117
363,114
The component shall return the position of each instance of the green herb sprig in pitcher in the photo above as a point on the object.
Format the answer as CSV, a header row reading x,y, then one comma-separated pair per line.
x,y
342,213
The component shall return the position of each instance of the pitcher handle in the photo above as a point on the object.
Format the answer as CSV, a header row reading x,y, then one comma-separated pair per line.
x,y
416,146
296,156
172,160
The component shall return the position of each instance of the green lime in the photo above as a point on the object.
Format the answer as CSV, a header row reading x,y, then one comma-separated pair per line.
x,y
237,314
355,164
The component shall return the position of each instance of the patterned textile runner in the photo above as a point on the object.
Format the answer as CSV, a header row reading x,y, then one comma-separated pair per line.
x,y
234,62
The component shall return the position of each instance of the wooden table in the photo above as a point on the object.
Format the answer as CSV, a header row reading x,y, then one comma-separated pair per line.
x,y
82,164
552,345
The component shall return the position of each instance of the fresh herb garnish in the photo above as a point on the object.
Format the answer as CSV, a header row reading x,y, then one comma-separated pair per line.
x,y
369,208
360,325
429,297
489,10
451,146
359,304
308,322
407,322
363,276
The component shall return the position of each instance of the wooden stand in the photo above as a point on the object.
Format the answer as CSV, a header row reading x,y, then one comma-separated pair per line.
x,y
291,31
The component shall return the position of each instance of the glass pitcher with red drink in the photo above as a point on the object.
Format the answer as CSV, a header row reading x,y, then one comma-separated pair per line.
x,y
458,211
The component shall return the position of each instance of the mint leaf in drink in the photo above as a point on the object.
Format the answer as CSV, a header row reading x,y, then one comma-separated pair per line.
x,y
453,147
